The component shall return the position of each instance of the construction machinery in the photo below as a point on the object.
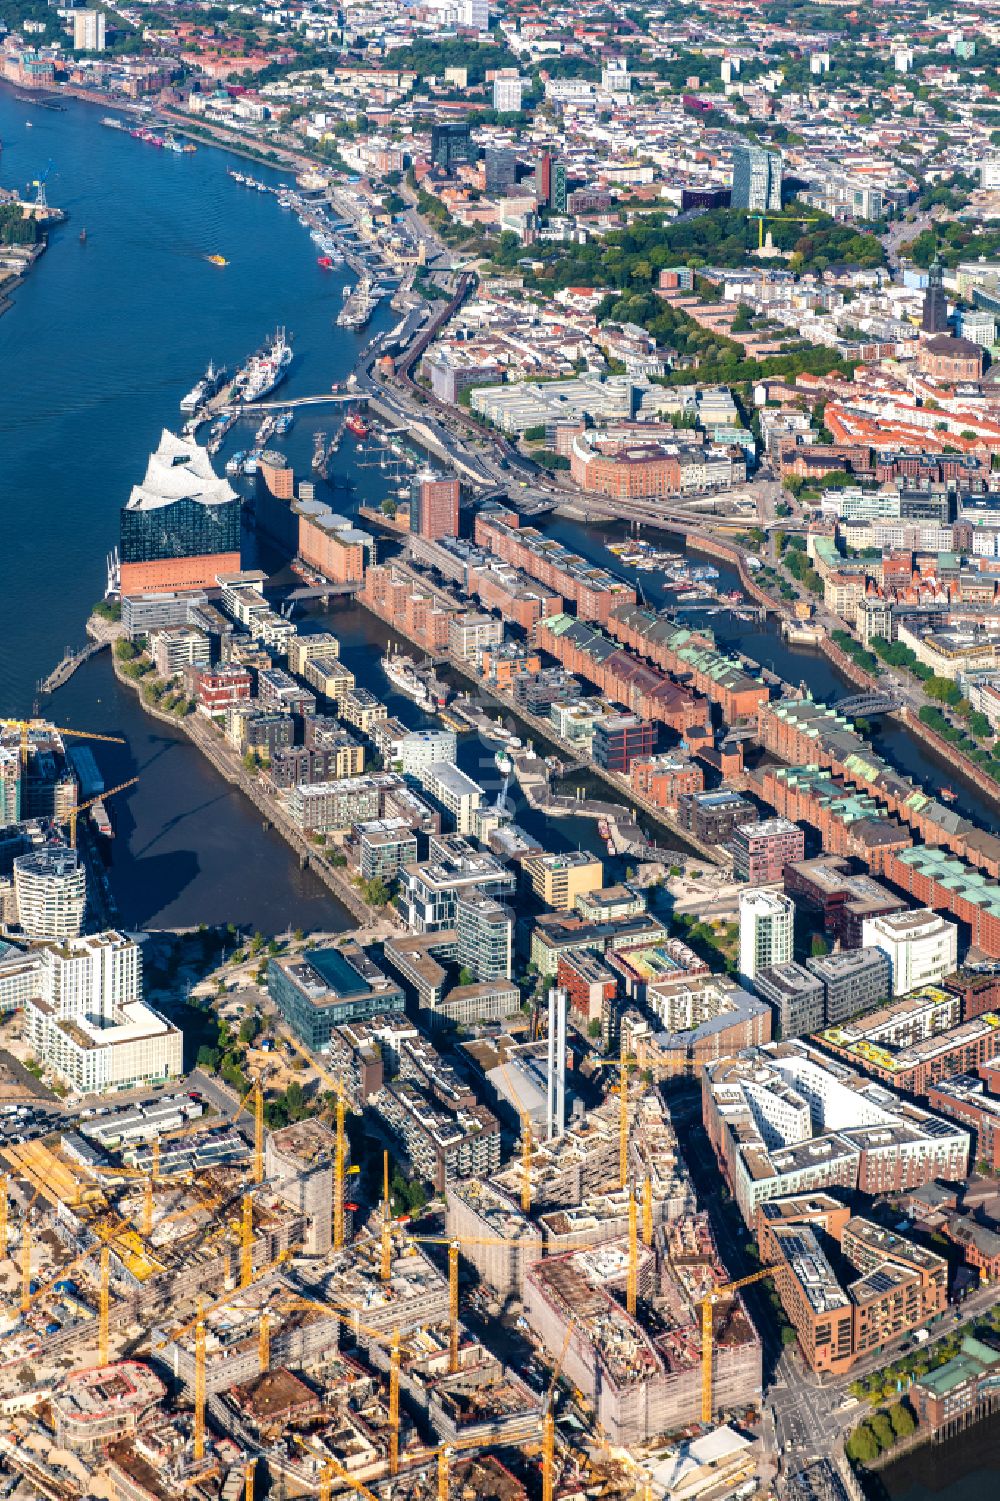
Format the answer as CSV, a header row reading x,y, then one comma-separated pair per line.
x,y
25,726
707,1306
632,1278
74,813
394,1405
104,1309
199,1382
763,219
340,1149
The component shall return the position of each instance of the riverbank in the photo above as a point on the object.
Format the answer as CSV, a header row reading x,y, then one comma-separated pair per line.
x,y
226,762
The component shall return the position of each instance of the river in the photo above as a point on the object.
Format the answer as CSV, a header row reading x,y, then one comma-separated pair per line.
x,y
965,1468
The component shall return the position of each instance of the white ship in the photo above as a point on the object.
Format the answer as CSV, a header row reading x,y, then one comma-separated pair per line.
x,y
264,371
402,674
206,388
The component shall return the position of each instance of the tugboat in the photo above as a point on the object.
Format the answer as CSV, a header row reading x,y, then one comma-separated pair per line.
x,y
355,425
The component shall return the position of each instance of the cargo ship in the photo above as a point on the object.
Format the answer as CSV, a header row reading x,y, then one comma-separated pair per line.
x,y
356,425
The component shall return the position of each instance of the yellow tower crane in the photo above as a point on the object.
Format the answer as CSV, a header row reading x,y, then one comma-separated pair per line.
x,y
249,1474
200,1356
707,1306
246,1241
104,1325
4,1183
264,1341
453,1307
394,1405
334,1470
525,1162
74,813
336,1083
632,1278
25,726
777,219
258,1131
386,1221
25,1265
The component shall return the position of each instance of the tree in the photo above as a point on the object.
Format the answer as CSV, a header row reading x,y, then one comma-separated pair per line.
x,y
863,1446
902,1419
819,946
256,944
249,1027
594,1027
882,1429
465,975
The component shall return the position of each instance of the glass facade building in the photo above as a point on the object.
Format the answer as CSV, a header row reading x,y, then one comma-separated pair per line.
x,y
181,529
327,989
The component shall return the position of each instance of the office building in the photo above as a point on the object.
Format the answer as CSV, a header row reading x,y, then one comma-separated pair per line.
x,y
555,1102
713,816
921,946
550,183
451,142
50,893
384,847
853,980
326,988
756,180
484,932
89,28
557,880
892,1285
796,996
429,890
766,923
437,506
507,93
181,527
620,739
500,169
762,850
10,786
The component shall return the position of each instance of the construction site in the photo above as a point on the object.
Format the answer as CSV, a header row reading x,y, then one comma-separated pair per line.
x,y
198,1305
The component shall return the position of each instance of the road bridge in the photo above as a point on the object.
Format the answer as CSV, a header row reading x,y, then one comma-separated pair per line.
x,y
867,705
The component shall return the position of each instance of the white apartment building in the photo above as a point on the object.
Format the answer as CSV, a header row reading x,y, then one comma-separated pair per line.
x,y
85,1017
507,94
766,921
416,752
458,794
50,893
921,946
89,28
